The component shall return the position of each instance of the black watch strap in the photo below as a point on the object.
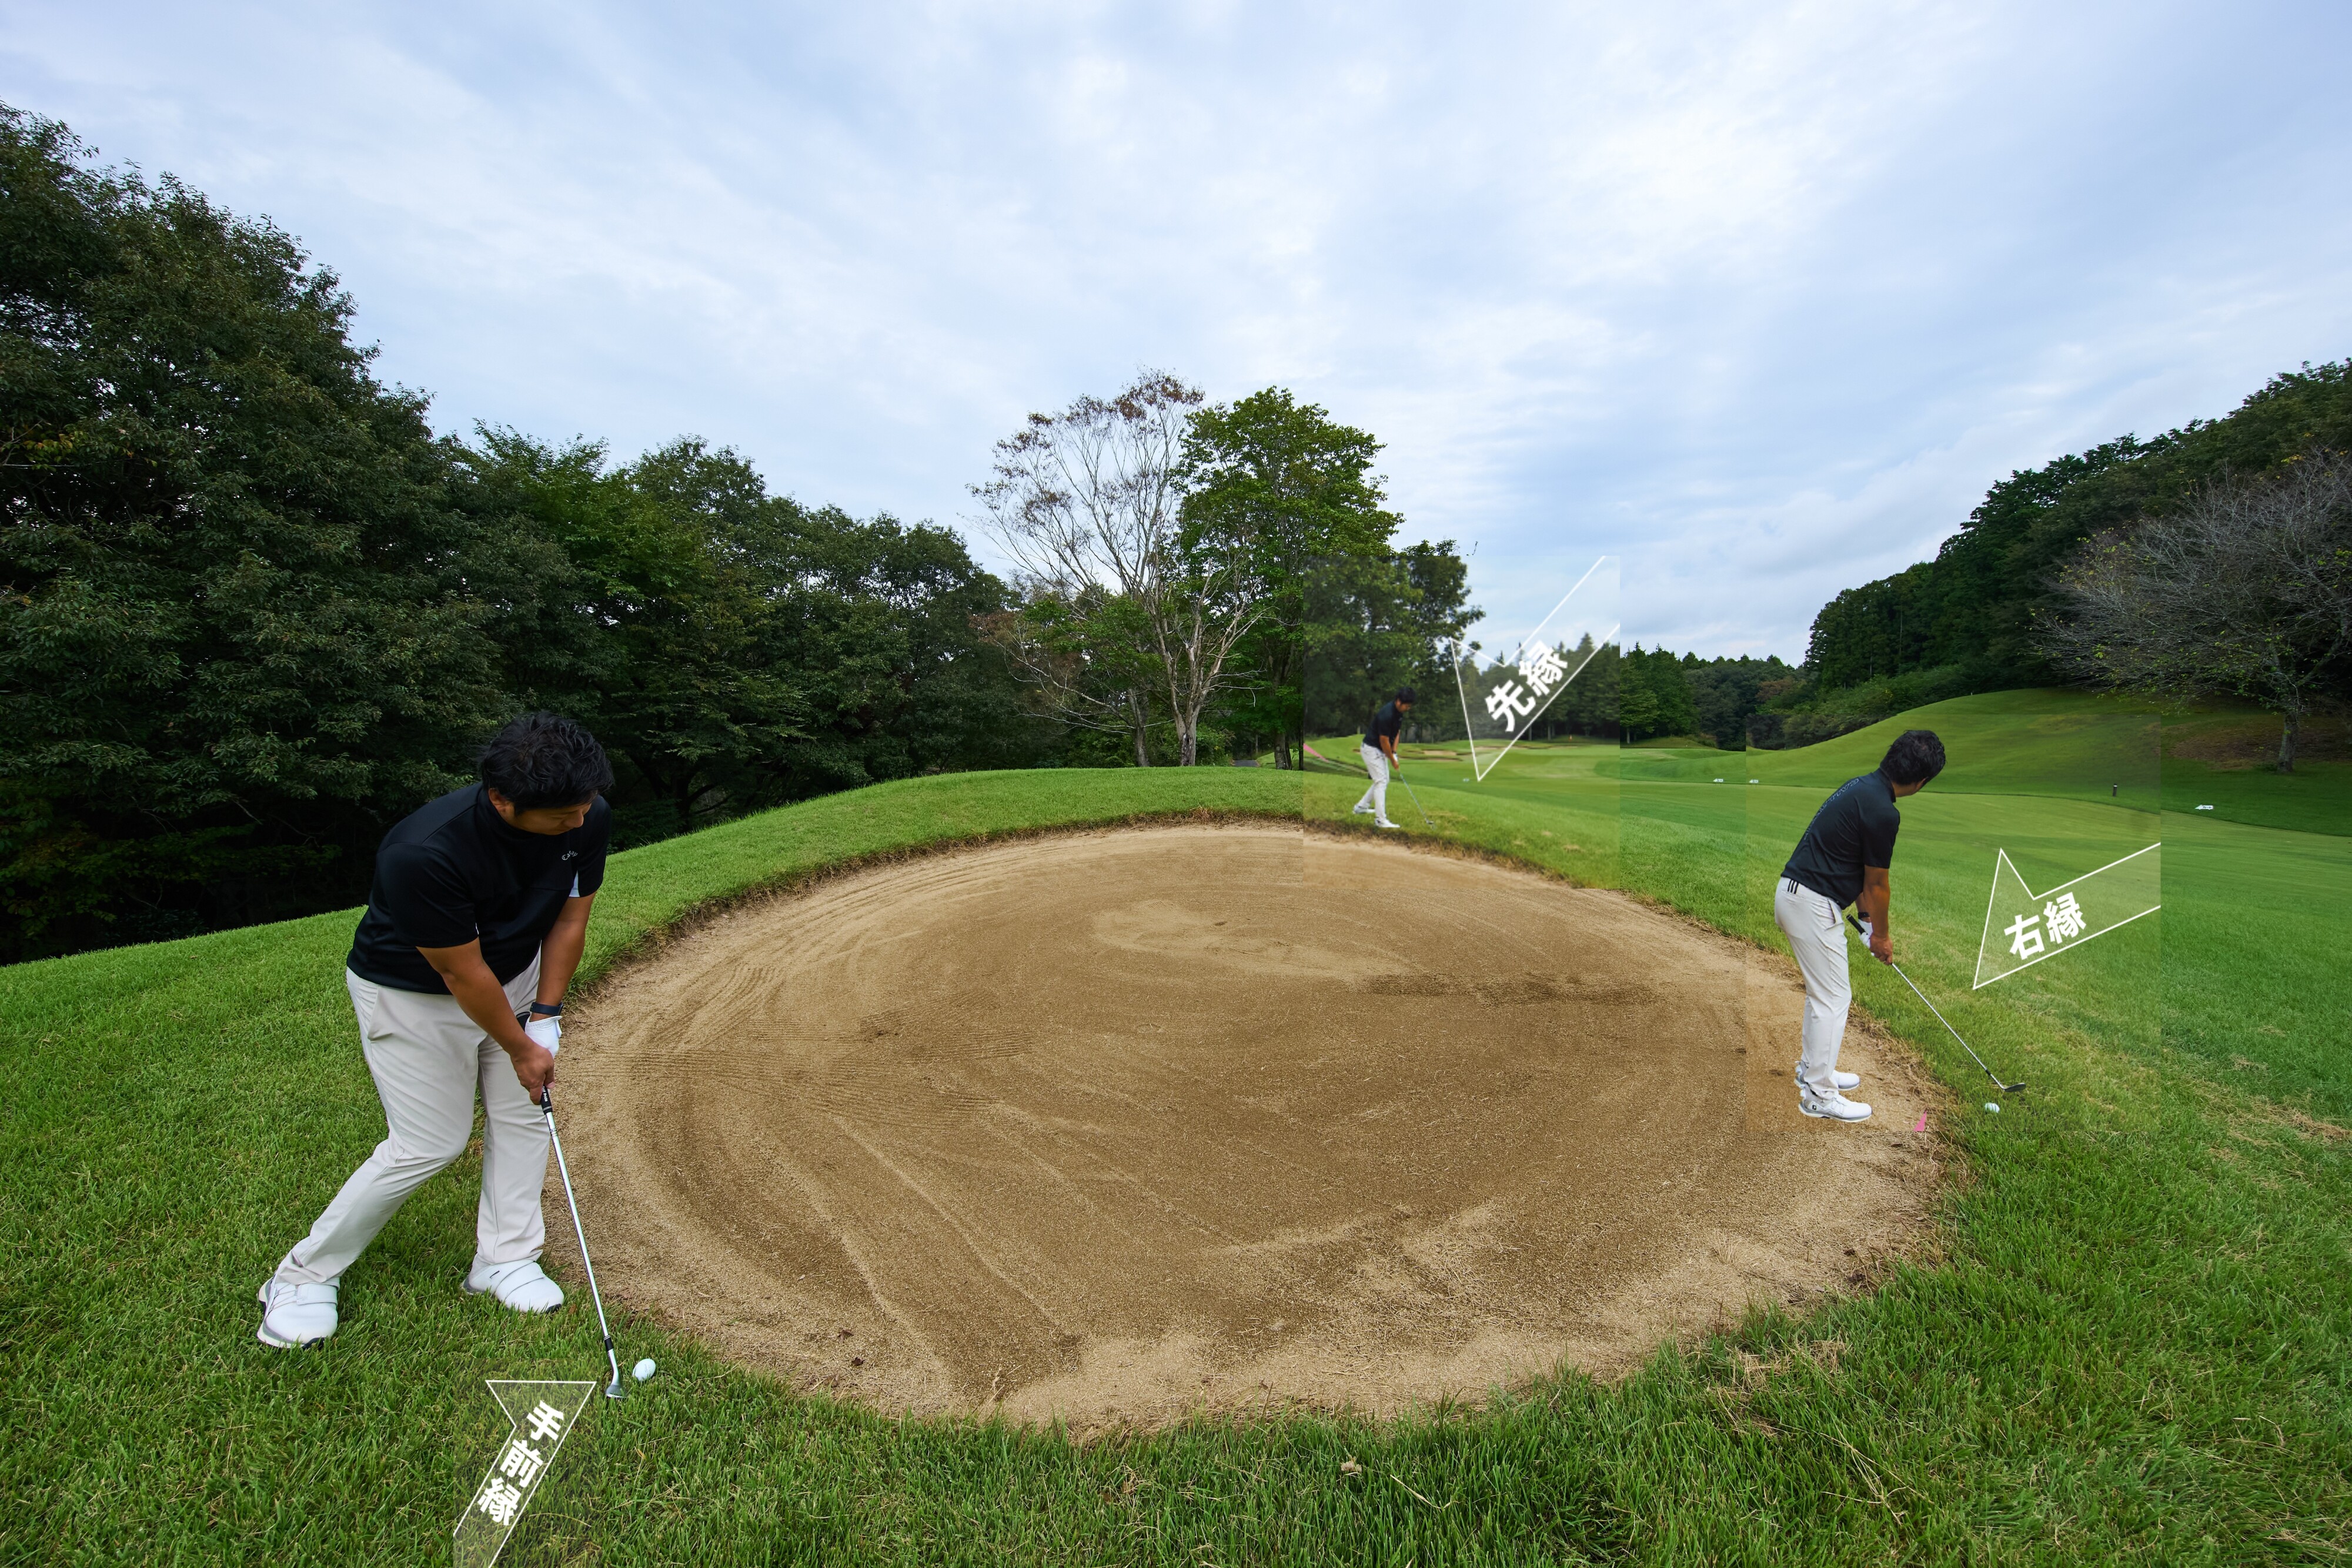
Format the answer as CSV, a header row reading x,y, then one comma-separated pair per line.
x,y
546,1010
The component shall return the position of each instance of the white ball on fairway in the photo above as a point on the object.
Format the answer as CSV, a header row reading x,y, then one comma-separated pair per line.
x,y
1992,1107
643,1370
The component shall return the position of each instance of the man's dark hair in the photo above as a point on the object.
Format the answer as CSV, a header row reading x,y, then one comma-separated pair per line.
x,y
545,760
1915,757
1404,695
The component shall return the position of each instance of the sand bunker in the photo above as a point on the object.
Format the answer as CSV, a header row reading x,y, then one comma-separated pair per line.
x,y
1119,1125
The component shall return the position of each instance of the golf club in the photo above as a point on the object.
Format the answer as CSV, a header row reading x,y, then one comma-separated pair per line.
x,y
1416,800
1940,1018
547,1109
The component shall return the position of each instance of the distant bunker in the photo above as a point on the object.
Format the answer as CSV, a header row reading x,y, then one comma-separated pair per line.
x,y
1115,1125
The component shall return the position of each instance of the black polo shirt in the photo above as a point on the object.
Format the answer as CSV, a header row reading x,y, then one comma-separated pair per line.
x,y
1855,827
1387,721
453,870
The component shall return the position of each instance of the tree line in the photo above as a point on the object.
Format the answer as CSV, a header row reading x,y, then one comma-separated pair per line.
x,y
253,610
2214,559
1638,694
1630,695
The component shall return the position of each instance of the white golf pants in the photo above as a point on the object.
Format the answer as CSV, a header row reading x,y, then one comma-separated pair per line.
x,y
1811,923
427,1057
1376,763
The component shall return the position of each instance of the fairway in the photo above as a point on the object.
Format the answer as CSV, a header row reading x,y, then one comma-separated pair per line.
x,y
2126,1335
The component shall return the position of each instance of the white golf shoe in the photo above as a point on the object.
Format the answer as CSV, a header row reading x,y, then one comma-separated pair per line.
x,y
1383,822
293,1316
1844,1081
1835,1107
1362,810
524,1286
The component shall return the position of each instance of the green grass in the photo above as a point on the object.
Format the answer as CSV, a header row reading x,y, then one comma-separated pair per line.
x,y
2226,756
2311,799
2074,747
2048,743
2255,986
2135,1344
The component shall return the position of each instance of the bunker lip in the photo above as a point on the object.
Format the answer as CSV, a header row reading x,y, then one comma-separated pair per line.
x,y
1113,1125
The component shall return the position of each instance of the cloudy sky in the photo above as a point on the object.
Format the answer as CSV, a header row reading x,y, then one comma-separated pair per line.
x,y
1758,297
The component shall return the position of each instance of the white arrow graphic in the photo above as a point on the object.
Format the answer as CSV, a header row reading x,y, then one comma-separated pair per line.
x,y
540,1414
2023,928
1502,701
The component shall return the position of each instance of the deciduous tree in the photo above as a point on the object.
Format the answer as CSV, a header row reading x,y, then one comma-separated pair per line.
x,y
1087,503
2244,591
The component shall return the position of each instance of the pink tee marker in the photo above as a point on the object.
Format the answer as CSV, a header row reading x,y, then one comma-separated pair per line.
x,y
1923,1123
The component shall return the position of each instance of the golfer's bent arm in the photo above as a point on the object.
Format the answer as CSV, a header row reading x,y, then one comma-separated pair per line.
x,y
1872,906
484,1000
559,955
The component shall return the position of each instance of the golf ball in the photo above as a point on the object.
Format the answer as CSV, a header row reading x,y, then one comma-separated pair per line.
x,y
643,1370
1992,1107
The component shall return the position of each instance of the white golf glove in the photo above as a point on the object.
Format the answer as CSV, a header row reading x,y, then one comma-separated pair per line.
x,y
548,1032
1865,935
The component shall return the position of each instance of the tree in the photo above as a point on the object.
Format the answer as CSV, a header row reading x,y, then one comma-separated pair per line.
x,y
238,630
1084,653
878,621
1726,691
1637,709
1375,622
1088,503
666,553
2244,591
1654,696
748,650
1438,611
1981,606
1278,485
252,611
1592,702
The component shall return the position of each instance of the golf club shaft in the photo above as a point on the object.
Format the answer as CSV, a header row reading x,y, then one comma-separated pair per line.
x,y
1940,1018
1416,800
612,1356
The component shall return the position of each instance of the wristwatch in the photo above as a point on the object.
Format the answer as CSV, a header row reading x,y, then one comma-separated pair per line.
x,y
546,1010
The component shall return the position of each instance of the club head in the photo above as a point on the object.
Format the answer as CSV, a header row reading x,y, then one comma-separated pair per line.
x,y
616,1390
2009,1088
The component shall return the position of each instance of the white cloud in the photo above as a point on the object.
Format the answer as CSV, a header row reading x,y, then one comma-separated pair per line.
x,y
1761,298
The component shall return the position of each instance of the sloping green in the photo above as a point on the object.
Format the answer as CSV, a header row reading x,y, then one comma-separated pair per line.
x,y
2079,745
2058,742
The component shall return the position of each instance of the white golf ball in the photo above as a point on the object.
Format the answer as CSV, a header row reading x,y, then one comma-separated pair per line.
x,y
643,1370
1992,1107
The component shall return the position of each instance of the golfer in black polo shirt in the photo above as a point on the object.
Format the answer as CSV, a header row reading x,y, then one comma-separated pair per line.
x,y
475,921
1843,858
1380,755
